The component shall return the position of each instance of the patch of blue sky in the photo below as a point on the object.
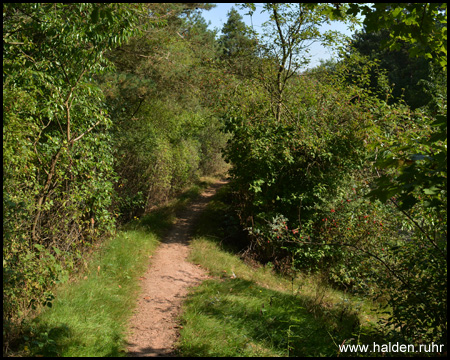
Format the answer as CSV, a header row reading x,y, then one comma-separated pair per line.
x,y
217,17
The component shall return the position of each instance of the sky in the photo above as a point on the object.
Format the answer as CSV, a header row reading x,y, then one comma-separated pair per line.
x,y
218,16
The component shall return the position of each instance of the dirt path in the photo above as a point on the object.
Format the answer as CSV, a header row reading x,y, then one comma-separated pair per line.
x,y
154,326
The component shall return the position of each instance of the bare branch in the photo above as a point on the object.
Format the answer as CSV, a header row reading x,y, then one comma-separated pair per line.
x,y
87,131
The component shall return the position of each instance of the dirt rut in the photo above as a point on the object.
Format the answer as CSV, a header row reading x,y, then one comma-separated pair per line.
x,y
154,325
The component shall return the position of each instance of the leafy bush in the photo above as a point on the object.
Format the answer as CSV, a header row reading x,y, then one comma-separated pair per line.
x,y
57,182
294,167
302,186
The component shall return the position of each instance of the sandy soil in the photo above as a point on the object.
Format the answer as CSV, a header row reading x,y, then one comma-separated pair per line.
x,y
154,325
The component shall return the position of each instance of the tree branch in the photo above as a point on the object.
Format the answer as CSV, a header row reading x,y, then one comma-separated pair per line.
x,y
403,281
419,227
72,141
68,103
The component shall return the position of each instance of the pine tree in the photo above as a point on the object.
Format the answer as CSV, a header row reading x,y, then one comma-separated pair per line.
x,y
236,40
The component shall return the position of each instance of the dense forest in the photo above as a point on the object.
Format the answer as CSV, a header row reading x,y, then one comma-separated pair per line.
x,y
112,109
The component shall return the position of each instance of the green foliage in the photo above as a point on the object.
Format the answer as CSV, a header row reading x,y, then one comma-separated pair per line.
x,y
416,167
94,306
285,42
296,154
57,151
165,136
332,171
415,181
93,131
414,178
237,42
297,166
409,77
423,25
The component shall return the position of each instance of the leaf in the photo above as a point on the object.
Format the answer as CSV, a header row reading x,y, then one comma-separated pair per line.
x,y
57,251
440,121
109,15
396,12
94,15
411,20
431,191
353,9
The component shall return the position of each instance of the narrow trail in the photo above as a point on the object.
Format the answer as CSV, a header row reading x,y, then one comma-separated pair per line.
x,y
153,326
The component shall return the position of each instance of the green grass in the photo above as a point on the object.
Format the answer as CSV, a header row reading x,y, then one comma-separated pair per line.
x,y
90,313
251,311
88,316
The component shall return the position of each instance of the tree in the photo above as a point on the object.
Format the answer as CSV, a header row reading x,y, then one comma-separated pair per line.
x,y
286,40
408,76
236,38
420,24
423,25
295,168
159,97
413,178
294,142
57,152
